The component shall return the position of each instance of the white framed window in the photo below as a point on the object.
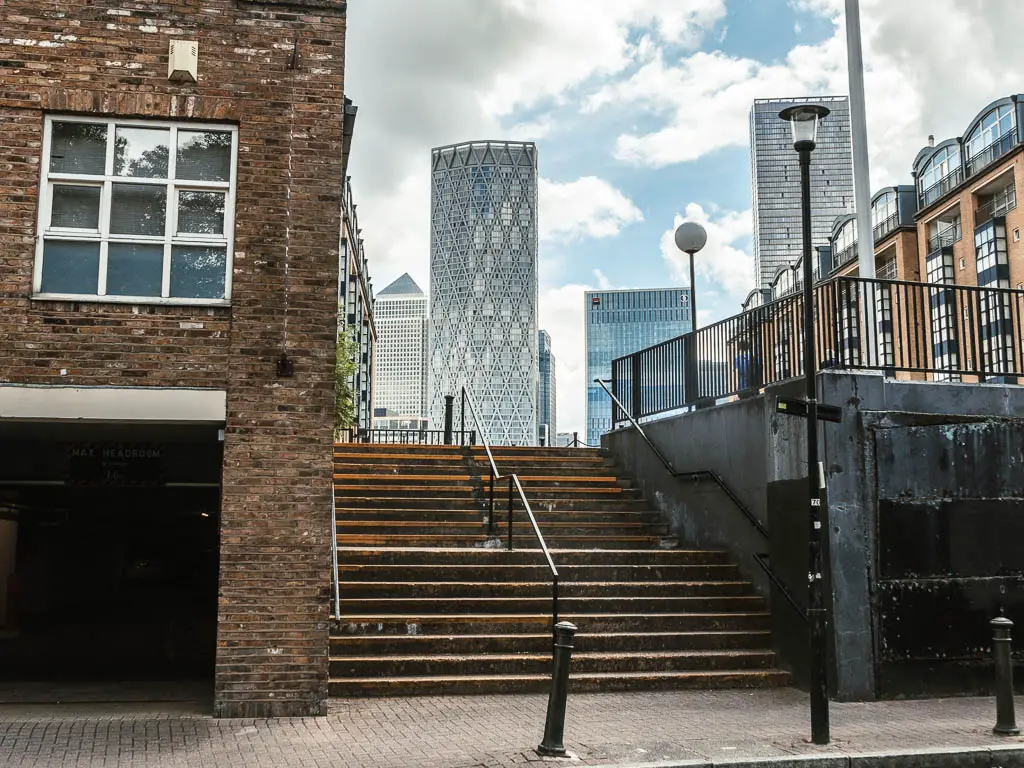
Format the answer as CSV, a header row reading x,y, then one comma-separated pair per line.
x,y
136,211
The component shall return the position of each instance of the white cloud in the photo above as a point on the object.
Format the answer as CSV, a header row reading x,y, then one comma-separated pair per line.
x,y
587,207
573,41
914,87
723,262
561,315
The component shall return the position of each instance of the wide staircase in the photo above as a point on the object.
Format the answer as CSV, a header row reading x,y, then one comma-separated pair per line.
x,y
431,603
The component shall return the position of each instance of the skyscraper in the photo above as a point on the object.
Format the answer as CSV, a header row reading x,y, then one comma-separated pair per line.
x,y
775,178
400,311
483,284
545,390
622,322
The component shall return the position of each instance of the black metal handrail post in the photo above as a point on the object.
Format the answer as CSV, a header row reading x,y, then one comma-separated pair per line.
x,y
462,419
510,513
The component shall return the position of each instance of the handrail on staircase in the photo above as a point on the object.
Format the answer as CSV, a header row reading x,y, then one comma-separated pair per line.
x,y
335,579
760,559
751,517
513,483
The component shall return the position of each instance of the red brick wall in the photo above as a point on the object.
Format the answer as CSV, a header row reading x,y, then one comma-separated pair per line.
x,y
101,57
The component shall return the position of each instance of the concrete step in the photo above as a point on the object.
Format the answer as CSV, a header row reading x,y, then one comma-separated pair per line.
x,y
361,624
396,606
447,540
540,642
384,500
520,527
579,683
493,573
457,590
439,489
479,515
528,556
540,663
347,500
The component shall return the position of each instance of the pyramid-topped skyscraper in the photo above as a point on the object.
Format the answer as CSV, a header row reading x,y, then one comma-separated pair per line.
x,y
400,312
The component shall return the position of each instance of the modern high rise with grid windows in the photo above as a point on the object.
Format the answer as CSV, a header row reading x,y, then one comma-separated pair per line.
x,y
622,322
546,410
400,312
775,180
483,285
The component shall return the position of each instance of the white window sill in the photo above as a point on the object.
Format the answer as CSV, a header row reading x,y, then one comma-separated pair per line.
x,y
141,300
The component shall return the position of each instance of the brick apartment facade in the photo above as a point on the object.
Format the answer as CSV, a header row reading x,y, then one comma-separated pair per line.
x,y
268,110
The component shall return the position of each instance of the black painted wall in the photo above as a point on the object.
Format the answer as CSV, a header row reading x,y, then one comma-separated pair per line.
x,y
950,527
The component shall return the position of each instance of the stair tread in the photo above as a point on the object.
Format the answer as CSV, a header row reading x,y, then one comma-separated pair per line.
x,y
413,618
543,635
544,656
702,582
577,676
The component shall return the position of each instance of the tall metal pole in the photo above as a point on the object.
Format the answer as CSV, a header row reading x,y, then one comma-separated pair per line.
x,y
859,126
816,611
693,296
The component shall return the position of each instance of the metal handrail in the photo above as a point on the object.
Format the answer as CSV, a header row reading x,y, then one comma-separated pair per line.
x,y
758,525
336,581
513,481
675,473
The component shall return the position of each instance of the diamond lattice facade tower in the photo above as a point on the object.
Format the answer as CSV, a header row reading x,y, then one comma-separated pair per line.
x,y
400,311
775,180
483,285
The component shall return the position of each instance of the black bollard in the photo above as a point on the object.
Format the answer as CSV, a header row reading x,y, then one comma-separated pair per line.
x,y
554,726
449,408
1006,721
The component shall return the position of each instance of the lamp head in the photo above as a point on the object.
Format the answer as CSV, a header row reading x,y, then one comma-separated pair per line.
x,y
803,120
691,237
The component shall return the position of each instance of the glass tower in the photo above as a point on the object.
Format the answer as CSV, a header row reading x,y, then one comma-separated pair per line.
x,y
775,180
483,285
546,390
400,311
622,322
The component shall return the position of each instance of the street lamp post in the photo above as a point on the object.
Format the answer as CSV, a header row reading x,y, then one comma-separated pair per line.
x,y
804,119
691,238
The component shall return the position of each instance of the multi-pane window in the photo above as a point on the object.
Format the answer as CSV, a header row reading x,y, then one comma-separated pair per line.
x,y
986,142
994,310
136,211
942,301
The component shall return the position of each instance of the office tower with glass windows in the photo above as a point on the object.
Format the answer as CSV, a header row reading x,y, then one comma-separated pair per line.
x,y
545,390
775,180
483,285
400,312
622,322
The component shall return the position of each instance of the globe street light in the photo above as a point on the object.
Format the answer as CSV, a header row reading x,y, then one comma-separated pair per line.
x,y
690,238
804,120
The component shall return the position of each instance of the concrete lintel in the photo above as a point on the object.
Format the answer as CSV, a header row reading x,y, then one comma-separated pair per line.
x,y
125,404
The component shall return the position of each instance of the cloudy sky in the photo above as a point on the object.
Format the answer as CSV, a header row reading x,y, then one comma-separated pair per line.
x,y
640,109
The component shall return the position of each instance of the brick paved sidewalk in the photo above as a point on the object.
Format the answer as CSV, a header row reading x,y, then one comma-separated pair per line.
x,y
484,731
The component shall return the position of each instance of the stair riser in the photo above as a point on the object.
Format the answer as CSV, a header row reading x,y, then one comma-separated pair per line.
x,y
346,502
412,465
435,481
358,591
532,665
589,684
530,556
632,605
411,645
567,574
479,501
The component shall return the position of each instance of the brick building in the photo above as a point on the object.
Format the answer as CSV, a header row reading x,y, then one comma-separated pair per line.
x,y
169,267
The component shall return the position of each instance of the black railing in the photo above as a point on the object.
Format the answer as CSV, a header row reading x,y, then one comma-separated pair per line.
x,y
942,186
883,228
411,436
1001,204
848,254
923,330
468,408
992,152
944,239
